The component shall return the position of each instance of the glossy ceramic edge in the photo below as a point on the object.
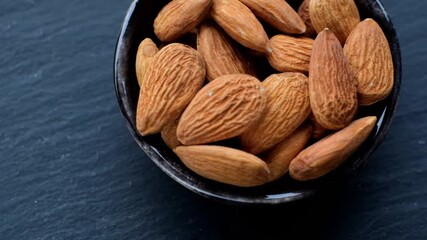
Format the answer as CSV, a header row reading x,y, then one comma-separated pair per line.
x,y
158,159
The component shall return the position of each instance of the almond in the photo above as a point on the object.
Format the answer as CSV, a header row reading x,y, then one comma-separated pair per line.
x,y
340,16
288,105
225,165
326,155
240,23
333,93
289,54
279,158
223,109
169,135
179,17
173,78
369,55
146,51
220,54
278,14
303,12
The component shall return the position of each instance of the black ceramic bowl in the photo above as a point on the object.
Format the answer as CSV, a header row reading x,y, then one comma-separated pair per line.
x,y
138,25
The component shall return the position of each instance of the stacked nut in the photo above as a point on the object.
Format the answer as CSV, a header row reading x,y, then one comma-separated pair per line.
x,y
326,65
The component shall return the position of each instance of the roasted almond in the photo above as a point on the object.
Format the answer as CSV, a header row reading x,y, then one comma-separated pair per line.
x,y
169,135
288,105
173,78
289,54
369,55
340,16
333,93
330,152
304,13
221,55
146,51
223,109
225,165
240,23
280,156
278,14
179,17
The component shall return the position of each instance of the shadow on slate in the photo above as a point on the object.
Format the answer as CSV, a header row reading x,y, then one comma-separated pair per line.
x,y
317,217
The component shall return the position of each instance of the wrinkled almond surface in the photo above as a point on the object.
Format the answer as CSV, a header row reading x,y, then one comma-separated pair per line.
x,y
221,55
289,54
278,14
146,51
179,17
369,55
169,135
173,78
225,165
240,23
288,105
303,12
333,93
280,156
327,154
223,109
340,16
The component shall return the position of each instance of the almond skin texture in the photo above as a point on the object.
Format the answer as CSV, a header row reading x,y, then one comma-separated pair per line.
x,y
288,105
225,165
279,158
326,155
169,135
179,17
333,93
220,54
369,55
146,51
289,54
173,78
278,14
240,23
340,16
303,12
223,109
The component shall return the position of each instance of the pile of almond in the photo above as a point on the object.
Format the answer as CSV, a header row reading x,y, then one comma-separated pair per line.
x,y
302,119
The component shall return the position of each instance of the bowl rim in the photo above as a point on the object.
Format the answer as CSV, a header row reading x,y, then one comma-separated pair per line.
x,y
172,172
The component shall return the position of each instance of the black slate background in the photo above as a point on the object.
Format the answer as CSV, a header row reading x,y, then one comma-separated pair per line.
x,y
69,169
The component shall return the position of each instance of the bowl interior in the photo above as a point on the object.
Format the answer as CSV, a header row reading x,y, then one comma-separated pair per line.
x,y
138,25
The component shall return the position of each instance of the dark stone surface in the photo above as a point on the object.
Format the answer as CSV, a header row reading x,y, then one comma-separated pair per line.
x,y
69,168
